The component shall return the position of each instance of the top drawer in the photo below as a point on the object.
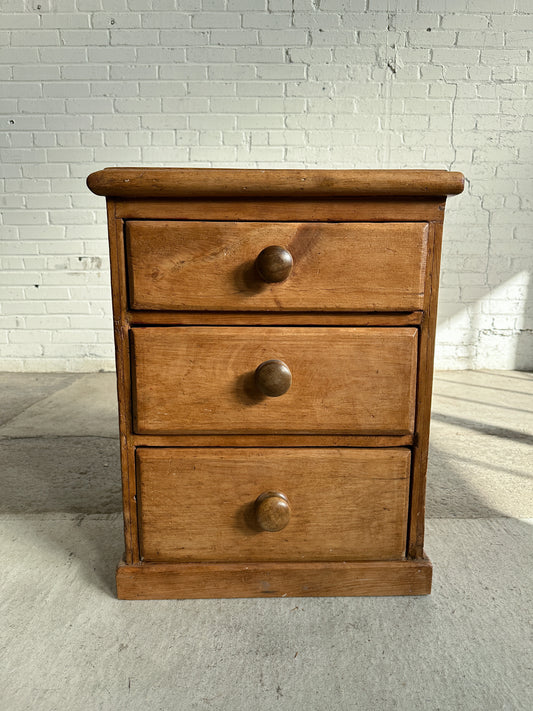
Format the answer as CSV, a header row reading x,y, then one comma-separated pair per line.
x,y
211,266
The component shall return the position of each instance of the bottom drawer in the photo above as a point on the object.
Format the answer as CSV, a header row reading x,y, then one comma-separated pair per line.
x,y
329,504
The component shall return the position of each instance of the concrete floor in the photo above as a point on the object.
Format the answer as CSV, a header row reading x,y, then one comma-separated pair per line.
x,y
67,643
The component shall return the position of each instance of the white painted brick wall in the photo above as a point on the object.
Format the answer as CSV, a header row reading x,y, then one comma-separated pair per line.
x,y
261,83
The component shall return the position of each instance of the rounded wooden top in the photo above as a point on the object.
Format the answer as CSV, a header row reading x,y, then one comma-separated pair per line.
x,y
256,183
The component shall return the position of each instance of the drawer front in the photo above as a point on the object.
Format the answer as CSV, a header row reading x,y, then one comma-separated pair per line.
x,y
200,380
199,266
341,504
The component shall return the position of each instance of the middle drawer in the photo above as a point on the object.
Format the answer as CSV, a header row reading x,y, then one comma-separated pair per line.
x,y
201,380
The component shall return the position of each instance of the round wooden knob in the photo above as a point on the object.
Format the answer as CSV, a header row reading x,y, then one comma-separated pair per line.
x,y
273,378
272,511
274,264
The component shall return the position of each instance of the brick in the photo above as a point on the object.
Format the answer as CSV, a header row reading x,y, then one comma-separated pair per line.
x,y
20,140
263,88
21,350
286,138
212,121
479,39
21,308
14,155
239,138
261,20
281,71
461,21
12,201
121,71
455,56
518,39
267,154
62,122
164,154
280,5
307,55
114,55
88,71
182,38
65,350
17,89
183,71
34,72
31,335
66,217
163,120
210,138
479,73
276,105
35,38
381,5
213,154
48,202
232,72
13,55
114,88
260,55
81,38
355,55
137,105
165,20
187,104
116,20
26,217
337,38
16,21
236,105
504,56
66,89
246,5
289,38
211,54
159,88
61,20
133,37
211,20
21,278
169,138
42,106
486,6
65,154
211,89
435,38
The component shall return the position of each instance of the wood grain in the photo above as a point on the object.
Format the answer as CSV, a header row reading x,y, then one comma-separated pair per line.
x,y
276,440
346,504
273,318
371,209
216,182
201,266
165,581
122,358
356,395
423,405
190,380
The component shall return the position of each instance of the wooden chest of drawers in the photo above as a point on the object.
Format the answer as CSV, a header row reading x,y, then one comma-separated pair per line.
x,y
274,336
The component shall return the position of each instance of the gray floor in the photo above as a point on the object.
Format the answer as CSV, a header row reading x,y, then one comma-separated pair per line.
x,y
67,643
